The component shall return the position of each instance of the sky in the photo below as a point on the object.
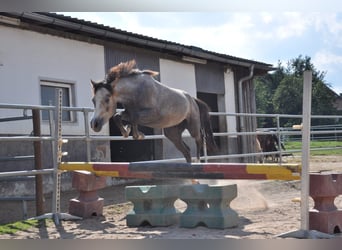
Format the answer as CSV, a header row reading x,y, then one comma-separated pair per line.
x,y
256,35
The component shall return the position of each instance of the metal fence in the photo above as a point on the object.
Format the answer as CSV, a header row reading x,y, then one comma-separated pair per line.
x,y
327,132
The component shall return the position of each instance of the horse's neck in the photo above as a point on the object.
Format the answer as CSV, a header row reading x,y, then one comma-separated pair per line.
x,y
128,88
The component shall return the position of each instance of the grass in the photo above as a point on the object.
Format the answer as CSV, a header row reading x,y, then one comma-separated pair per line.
x,y
14,227
318,147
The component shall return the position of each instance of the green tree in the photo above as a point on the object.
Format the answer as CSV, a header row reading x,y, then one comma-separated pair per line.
x,y
281,92
287,98
265,88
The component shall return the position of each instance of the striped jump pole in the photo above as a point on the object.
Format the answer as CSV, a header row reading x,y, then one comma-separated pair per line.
x,y
142,170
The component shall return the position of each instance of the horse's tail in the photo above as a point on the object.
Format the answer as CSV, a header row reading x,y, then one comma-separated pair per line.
x,y
206,129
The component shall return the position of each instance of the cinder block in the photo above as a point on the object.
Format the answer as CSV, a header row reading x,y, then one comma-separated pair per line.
x,y
153,205
86,209
325,217
88,203
208,206
87,181
327,222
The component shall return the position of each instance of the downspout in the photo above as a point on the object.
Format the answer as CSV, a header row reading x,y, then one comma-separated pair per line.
x,y
241,106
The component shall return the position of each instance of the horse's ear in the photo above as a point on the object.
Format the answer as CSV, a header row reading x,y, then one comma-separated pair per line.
x,y
92,83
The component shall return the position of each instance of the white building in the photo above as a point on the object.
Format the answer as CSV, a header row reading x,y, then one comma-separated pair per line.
x,y
42,51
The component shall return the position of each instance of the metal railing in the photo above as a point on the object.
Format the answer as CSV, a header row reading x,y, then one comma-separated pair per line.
x,y
283,133
87,137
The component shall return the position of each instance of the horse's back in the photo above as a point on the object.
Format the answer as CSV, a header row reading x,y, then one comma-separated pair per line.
x,y
171,98
166,106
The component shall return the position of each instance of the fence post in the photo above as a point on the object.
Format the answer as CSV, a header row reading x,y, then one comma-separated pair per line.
x,y
305,183
38,162
87,133
279,140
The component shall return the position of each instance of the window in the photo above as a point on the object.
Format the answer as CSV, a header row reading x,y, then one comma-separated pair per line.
x,y
48,92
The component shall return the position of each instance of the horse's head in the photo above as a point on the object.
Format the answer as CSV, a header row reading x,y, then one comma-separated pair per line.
x,y
104,99
104,104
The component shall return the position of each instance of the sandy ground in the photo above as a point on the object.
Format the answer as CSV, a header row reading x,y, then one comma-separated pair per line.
x,y
265,209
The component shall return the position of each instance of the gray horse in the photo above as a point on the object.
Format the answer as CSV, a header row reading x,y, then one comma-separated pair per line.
x,y
152,104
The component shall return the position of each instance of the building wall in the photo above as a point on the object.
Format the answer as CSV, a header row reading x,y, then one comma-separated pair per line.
x,y
210,78
178,75
181,76
231,107
247,142
205,79
29,57
133,150
145,59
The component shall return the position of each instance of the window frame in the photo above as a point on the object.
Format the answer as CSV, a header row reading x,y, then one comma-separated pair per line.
x,y
63,84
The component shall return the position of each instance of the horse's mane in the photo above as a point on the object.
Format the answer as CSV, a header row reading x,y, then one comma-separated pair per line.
x,y
124,69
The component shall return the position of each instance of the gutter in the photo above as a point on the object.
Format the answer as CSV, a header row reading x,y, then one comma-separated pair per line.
x,y
241,105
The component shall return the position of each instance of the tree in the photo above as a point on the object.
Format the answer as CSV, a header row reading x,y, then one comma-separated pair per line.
x,y
265,88
287,98
281,92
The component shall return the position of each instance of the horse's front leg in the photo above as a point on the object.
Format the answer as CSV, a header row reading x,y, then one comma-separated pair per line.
x,y
125,130
137,135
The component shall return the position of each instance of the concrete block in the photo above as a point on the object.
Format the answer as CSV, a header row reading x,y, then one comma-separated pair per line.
x,y
325,184
86,209
325,216
87,181
153,205
88,203
327,222
208,206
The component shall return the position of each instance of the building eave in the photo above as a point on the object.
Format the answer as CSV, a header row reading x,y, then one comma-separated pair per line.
x,y
99,31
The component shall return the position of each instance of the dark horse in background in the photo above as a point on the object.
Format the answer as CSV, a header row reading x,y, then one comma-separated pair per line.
x,y
152,104
270,143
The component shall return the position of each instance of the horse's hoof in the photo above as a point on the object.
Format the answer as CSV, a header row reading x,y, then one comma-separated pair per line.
x,y
139,136
125,134
126,131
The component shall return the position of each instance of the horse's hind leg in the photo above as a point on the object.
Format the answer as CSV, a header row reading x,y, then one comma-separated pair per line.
x,y
174,134
194,128
196,134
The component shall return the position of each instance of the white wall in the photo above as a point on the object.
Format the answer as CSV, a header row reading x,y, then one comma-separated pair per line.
x,y
178,75
230,100
181,76
27,56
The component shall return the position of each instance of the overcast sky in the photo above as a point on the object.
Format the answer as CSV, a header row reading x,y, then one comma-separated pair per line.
x,y
263,36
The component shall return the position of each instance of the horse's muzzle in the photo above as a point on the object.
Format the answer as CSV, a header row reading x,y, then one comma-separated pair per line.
x,y
96,124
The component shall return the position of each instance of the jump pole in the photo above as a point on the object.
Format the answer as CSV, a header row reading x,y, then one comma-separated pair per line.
x,y
168,170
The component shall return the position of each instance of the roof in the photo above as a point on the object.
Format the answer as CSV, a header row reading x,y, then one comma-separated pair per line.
x,y
99,31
